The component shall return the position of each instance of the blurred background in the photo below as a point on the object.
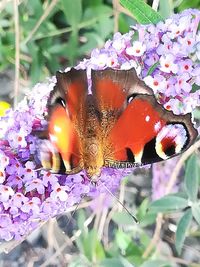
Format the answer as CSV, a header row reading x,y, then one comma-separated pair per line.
x,y
37,38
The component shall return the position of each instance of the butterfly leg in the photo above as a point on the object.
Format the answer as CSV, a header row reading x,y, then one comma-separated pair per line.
x,y
49,156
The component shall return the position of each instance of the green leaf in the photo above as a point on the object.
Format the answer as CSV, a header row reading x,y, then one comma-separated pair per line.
x,y
152,68
92,3
123,23
142,210
58,49
98,12
36,64
81,220
101,21
36,7
73,11
92,40
89,244
142,12
104,27
72,48
196,212
93,249
125,262
123,240
111,262
168,203
148,219
78,261
155,263
122,218
188,4
197,111
99,251
181,231
165,8
144,216
134,248
192,178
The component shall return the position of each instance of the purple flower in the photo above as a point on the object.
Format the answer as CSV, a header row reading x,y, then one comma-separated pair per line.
x,y
49,208
185,66
5,193
137,49
35,184
167,64
158,83
5,222
15,181
161,175
163,56
28,171
33,205
4,161
17,139
18,200
49,178
182,85
60,192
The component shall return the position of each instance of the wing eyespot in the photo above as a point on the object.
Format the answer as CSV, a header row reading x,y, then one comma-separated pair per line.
x,y
60,101
130,98
171,140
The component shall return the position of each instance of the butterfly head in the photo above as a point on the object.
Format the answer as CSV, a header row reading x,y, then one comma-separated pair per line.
x,y
93,173
94,160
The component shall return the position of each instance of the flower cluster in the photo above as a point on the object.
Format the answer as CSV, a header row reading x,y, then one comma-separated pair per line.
x,y
163,55
162,172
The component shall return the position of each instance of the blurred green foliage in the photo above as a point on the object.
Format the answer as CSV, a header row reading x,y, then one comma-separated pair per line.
x,y
70,31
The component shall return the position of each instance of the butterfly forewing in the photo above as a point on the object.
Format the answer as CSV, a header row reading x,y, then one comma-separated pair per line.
x,y
66,112
112,88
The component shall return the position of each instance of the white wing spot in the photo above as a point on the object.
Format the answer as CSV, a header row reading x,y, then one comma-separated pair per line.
x,y
147,118
57,129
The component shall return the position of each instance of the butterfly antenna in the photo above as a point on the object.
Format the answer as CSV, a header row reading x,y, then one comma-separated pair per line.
x,y
132,216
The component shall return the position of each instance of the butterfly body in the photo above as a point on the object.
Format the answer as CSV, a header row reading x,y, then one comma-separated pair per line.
x,y
120,124
92,150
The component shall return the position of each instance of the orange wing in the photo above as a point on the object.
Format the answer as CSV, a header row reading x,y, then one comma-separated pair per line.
x,y
140,131
66,109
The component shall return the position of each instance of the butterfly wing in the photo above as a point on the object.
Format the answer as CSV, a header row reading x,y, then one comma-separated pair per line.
x,y
66,109
145,132
112,89
141,131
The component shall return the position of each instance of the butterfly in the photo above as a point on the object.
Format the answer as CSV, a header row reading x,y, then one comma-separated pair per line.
x,y
119,124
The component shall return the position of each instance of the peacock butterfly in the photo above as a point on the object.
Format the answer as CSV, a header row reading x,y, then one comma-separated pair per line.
x,y
119,125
